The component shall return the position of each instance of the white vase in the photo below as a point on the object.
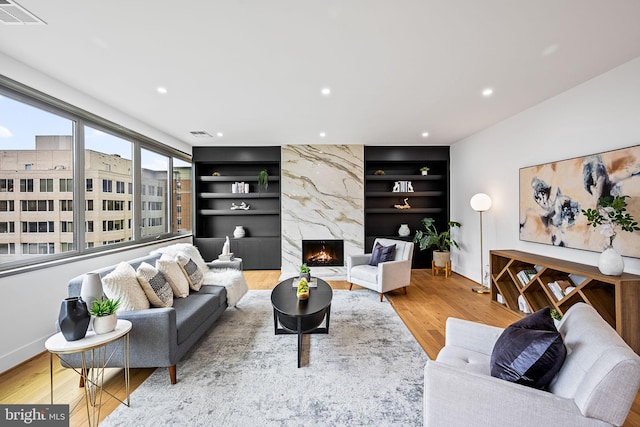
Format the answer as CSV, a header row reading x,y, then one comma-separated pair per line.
x,y
404,231
104,324
610,262
238,232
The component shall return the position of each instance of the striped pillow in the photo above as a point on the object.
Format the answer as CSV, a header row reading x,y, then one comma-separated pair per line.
x,y
191,270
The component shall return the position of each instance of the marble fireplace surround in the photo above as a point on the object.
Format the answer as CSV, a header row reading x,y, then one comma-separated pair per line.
x,y
322,197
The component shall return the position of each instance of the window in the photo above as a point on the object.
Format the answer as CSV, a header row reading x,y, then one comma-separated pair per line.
x,y
66,185
66,205
181,193
88,226
89,184
112,225
107,186
159,192
37,227
155,175
143,190
7,227
36,205
66,226
7,248
37,248
152,190
120,187
26,185
6,206
89,205
130,188
66,247
6,185
113,205
46,185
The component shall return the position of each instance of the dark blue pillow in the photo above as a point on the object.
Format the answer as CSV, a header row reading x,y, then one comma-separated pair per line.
x,y
529,352
382,254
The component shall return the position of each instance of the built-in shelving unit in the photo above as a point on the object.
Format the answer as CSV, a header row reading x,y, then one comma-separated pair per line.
x,y
213,198
614,297
430,197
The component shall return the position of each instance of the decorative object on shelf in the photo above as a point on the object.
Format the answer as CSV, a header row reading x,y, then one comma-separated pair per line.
x,y
91,289
305,272
404,230
73,318
241,206
424,170
379,172
215,174
402,187
611,216
104,315
239,187
405,206
481,203
442,241
226,254
239,232
263,179
303,289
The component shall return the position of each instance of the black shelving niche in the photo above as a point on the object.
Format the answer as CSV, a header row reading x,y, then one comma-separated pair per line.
x,y
430,196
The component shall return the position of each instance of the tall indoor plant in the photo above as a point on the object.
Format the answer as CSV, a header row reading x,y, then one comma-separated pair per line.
x,y
441,240
611,216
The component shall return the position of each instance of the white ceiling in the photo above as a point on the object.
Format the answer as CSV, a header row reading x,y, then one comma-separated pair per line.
x,y
253,69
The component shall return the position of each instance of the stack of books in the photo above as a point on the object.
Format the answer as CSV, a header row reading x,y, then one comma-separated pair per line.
x,y
560,288
526,275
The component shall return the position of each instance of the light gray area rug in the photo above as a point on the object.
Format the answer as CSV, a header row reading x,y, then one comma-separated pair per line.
x,y
367,371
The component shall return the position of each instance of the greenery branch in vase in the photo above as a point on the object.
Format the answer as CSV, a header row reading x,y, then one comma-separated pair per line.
x,y
263,179
611,216
441,241
104,312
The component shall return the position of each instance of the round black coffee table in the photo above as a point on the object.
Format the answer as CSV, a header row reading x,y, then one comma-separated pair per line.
x,y
293,316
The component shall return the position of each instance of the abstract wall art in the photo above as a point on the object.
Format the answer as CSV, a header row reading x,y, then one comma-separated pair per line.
x,y
552,196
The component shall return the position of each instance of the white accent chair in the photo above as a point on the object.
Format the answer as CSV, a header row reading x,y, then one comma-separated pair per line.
x,y
596,385
386,276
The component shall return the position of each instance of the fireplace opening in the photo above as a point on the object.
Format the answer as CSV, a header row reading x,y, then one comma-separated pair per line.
x,y
323,253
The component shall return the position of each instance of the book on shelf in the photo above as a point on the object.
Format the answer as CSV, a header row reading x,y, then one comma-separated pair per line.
x,y
525,276
556,290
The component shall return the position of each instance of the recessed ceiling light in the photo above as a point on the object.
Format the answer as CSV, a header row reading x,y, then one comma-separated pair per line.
x,y
326,91
219,134
322,134
487,92
425,134
162,90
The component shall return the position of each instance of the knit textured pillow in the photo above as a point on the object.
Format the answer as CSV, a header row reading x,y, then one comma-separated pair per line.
x,y
191,270
154,284
171,271
123,283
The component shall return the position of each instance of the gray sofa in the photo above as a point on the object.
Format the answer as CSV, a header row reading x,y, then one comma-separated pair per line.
x,y
596,385
160,337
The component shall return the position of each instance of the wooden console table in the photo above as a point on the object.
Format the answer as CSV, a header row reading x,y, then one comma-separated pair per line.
x,y
614,297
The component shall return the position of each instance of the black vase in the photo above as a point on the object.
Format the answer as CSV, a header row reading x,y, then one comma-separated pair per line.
x,y
74,318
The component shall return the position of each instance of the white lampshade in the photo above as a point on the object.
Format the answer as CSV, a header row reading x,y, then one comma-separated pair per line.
x,y
91,289
480,202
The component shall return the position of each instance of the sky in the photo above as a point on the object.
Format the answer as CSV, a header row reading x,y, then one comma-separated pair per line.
x,y
20,123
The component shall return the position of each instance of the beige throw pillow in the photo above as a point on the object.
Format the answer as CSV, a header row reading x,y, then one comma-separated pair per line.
x,y
122,283
191,270
155,285
179,283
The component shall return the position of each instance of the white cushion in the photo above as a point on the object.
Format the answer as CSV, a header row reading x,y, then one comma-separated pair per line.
x,y
191,270
123,283
155,285
466,359
187,249
368,273
179,283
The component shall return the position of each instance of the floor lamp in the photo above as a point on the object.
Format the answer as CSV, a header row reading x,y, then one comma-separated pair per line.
x,y
481,203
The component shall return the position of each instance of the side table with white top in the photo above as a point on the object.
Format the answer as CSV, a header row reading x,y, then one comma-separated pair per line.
x,y
93,350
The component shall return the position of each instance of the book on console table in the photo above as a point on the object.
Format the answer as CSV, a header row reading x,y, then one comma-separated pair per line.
x,y
313,283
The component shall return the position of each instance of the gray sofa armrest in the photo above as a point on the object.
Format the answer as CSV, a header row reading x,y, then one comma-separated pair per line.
x,y
473,336
492,402
154,336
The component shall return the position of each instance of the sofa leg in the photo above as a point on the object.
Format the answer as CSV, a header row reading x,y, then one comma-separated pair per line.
x,y
380,296
85,372
405,290
172,374
350,286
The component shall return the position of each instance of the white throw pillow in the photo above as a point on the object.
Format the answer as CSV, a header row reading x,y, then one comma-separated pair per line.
x,y
187,249
155,285
123,283
191,270
169,267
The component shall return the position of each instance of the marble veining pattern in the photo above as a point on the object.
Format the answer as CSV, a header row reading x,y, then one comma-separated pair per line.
x,y
322,197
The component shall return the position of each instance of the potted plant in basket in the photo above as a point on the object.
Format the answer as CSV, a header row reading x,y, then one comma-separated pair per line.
x,y
442,241
611,216
104,314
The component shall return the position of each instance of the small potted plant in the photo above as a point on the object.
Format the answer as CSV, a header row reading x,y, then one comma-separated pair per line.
x,y
263,179
424,170
305,272
104,315
442,241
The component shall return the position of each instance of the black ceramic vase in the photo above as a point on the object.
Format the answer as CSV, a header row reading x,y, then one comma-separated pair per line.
x,y
74,318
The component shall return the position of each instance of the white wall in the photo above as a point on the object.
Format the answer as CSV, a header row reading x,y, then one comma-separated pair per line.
x,y
599,115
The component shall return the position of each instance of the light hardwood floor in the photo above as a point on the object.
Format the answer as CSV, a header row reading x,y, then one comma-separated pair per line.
x,y
425,308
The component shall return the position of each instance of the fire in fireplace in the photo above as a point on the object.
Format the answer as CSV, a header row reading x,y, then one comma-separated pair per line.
x,y
323,253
